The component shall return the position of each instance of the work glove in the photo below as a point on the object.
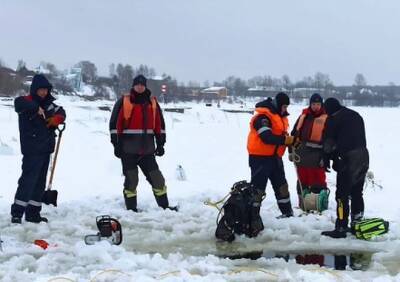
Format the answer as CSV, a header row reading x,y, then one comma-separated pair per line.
x,y
293,141
52,122
159,151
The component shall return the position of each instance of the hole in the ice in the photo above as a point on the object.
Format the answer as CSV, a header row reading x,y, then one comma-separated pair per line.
x,y
354,261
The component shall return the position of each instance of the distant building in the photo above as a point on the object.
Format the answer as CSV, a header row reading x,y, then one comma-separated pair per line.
x,y
24,72
157,77
7,71
305,92
215,91
41,69
10,82
264,91
74,78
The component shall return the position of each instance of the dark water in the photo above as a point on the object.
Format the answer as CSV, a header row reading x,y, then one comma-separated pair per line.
x,y
355,261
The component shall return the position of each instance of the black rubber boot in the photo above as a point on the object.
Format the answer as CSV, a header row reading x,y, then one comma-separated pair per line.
x,y
336,233
162,201
284,215
32,214
36,218
173,208
286,209
131,203
340,230
16,219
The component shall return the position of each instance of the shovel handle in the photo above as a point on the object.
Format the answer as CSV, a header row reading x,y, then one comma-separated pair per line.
x,y
60,129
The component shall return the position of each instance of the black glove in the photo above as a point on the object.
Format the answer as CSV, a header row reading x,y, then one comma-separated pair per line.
x,y
117,150
338,165
159,151
325,163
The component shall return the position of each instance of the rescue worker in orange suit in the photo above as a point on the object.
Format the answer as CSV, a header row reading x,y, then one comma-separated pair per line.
x,y
345,143
266,144
138,135
308,156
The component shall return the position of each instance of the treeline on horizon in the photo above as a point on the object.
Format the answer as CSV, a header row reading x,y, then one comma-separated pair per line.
x,y
121,75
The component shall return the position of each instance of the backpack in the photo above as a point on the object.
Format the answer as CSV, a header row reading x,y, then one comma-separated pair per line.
x,y
366,229
237,212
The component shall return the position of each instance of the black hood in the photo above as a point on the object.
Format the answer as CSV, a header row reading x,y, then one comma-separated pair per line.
x,y
40,81
270,104
332,105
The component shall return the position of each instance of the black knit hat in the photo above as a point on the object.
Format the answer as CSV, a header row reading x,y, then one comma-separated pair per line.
x,y
140,79
316,98
281,99
332,105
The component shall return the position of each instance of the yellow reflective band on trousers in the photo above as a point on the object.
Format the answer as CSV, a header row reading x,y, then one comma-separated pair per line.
x,y
341,212
130,193
160,192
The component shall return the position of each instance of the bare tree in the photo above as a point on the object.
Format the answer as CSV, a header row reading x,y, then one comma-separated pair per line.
x,y
235,85
193,84
322,81
360,80
277,82
286,83
50,67
268,81
306,82
146,71
111,70
125,76
256,81
89,71
21,64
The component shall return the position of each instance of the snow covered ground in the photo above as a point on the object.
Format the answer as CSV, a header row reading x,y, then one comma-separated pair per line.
x,y
210,145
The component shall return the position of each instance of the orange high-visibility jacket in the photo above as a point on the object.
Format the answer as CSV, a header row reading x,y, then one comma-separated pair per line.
x,y
316,130
279,126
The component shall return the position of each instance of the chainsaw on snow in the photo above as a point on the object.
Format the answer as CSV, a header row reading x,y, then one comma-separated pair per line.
x,y
109,230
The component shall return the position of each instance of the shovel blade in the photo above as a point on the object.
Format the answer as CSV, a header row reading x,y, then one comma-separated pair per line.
x,y
50,197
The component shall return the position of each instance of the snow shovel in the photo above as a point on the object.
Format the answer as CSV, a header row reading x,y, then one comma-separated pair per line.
x,y
50,196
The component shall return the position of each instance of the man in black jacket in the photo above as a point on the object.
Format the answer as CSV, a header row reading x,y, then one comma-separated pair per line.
x,y
138,135
345,144
38,118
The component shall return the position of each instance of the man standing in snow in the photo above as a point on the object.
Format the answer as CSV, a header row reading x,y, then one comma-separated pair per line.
x,y
266,144
309,127
345,144
136,122
38,118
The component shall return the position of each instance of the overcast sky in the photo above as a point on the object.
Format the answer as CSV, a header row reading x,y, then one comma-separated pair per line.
x,y
209,39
